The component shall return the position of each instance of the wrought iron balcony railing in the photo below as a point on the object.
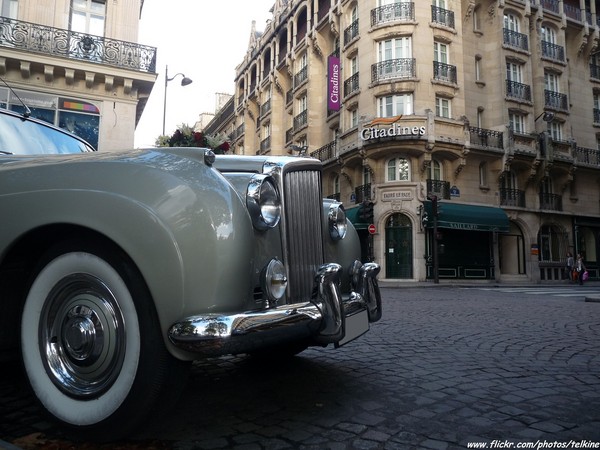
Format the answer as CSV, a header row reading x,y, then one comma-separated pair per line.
x,y
553,51
486,138
325,153
516,40
301,76
351,32
399,11
555,100
362,193
351,85
587,156
265,107
512,197
444,72
551,202
393,69
442,16
439,188
52,41
300,120
518,91
595,71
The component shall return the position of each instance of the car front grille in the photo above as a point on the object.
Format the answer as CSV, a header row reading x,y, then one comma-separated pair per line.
x,y
303,231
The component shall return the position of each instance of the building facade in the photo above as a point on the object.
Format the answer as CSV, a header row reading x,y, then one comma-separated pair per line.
x,y
462,136
77,64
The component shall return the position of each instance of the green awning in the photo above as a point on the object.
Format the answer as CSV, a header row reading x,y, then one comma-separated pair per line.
x,y
352,216
468,217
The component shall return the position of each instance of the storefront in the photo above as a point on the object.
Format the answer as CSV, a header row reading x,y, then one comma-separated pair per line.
x,y
466,238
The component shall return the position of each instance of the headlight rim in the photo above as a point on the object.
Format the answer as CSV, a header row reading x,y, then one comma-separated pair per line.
x,y
257,198
338,221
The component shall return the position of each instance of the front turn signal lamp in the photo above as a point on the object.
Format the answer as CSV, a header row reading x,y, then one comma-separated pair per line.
x,y
274,281
263,202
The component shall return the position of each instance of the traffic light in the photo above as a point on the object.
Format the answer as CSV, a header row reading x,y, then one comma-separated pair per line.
x,y
435,208
365,213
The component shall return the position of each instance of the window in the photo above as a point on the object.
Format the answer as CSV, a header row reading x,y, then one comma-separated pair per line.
x,y
435,170
483,174
555,130
354,66
394,105
516,122
551,82
477,68
395,49
440,52
336,185
440,3
514,72
398,169
511,22
476,19
442,107
354,118
548,35
366,176
9,8
88,16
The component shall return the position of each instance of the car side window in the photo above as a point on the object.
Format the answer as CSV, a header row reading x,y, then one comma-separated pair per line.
x,y
19,136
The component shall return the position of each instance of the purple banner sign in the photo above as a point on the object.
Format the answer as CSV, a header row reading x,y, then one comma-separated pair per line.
x,y
333,83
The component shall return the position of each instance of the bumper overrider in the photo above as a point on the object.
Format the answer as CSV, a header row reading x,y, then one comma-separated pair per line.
x,y
324,319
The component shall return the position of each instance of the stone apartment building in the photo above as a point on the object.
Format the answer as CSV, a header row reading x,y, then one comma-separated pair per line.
x,y
489,108
77,64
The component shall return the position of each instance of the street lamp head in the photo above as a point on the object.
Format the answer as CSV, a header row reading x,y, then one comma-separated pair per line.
x,y
185,81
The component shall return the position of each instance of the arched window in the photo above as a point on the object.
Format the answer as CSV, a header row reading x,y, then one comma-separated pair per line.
x,y
435,170
398,169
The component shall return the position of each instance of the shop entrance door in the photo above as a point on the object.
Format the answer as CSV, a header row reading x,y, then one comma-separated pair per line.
x,y
399,247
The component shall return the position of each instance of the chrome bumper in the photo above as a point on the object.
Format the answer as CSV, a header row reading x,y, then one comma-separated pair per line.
x,y
320,321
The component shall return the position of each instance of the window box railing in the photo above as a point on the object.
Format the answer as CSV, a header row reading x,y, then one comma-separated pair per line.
x,y
512,197
553,51
362,193
516,40
393,69
596,116
52,41
550,5
400,11
265,144
486,138
555,100
289,135
351,32
595,71
265,107
300,120
518,91
439,188
301,76
442,16
351,85
444,72
552,202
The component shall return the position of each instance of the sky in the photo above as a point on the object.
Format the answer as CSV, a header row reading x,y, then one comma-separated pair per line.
x,y
204,40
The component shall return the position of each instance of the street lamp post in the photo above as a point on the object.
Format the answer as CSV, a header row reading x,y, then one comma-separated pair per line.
x,y
184,82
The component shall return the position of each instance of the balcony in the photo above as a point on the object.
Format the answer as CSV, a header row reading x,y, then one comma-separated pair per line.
x,y
555,100
393,69
444,72
439,188
442,16
265,144
52,41
595,71
397,12
550,5
553,51
351,85
512,197
351,32
589,156
552,202
300,120
486,138
265,107
300,77
362,193
518,91
325,153
516,40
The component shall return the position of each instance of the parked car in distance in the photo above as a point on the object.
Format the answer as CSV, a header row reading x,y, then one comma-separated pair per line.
x,y
119,269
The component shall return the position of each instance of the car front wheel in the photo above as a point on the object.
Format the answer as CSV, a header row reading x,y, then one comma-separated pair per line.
x,y
91,343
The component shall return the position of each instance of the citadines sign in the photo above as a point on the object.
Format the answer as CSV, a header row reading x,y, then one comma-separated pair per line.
x,y
333,83
389,127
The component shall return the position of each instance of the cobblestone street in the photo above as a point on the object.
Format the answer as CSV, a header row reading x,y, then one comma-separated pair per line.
x,y
445,367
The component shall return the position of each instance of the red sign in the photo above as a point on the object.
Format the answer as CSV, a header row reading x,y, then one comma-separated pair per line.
x,y
372,229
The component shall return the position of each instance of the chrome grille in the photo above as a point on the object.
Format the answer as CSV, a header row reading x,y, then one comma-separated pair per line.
x,y
304,237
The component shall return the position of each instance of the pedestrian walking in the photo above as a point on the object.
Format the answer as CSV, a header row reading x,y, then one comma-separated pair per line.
x,y
579,268
569,267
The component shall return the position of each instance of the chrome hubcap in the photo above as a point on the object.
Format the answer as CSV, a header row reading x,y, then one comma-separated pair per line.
x,y
82,336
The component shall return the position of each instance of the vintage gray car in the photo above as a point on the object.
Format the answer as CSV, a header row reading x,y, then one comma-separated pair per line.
x,y
119,269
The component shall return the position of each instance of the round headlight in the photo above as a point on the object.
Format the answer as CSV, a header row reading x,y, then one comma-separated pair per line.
x,y
337,221
263,202
274,280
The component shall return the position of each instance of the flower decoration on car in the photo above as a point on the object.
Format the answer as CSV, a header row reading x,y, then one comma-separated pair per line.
x,y
185,136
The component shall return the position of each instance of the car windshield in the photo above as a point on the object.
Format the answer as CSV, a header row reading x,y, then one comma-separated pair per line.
x,y
19,136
